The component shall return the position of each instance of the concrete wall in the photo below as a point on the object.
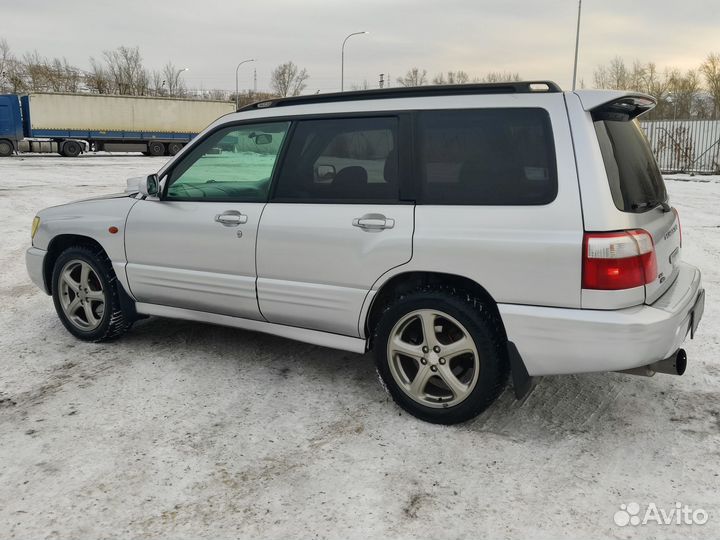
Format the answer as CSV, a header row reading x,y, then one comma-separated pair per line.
x,y
123,113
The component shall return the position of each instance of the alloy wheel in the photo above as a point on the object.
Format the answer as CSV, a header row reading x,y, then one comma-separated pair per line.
x,y
433,358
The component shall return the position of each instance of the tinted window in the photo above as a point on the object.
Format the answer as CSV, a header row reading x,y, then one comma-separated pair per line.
x,y
635,180
234,163
341,160
487,157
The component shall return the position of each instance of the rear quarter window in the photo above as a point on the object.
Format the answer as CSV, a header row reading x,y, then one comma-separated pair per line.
x,y
635,180
487,157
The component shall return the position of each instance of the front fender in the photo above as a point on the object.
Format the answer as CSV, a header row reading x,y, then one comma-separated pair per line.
x,y
93,219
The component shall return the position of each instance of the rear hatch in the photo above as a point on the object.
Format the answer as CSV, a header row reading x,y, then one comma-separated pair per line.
x,y
638,189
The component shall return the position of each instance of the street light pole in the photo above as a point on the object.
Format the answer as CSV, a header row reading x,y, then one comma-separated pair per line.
x,y
237,95
342,59
577,44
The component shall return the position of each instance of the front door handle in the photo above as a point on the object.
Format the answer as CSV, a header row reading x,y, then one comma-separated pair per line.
x,y
373,222
231,218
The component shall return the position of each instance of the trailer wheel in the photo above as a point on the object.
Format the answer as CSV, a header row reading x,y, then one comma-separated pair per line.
x,y
174,148
156,148
6,148
71,149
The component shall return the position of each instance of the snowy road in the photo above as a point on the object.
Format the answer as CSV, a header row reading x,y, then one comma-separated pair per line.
x,y
182,430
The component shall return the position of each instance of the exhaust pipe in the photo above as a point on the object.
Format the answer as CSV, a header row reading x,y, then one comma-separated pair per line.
x,y
675,364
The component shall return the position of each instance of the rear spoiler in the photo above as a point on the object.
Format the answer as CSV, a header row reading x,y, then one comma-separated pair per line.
x,y
615,105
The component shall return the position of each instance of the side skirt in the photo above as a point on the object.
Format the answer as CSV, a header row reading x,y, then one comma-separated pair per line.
x,y
315,337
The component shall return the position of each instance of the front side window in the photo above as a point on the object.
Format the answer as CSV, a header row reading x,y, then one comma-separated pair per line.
x,y
234,163
487,157
341,160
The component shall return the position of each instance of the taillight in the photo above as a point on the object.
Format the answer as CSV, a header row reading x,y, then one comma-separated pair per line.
x,y
618,260
677,216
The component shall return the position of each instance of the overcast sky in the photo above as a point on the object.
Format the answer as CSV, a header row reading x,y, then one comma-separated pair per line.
x,y
533,37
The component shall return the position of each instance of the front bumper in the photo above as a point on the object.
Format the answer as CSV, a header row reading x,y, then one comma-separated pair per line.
x,y
35,262
555,341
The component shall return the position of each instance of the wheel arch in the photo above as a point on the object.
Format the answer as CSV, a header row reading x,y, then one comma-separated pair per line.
x,y
62,242
417,280
59,244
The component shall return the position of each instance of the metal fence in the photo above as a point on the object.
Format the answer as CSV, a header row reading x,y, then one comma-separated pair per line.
x,y
691,146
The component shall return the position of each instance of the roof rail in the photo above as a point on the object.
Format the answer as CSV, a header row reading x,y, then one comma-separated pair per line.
x,y
524,87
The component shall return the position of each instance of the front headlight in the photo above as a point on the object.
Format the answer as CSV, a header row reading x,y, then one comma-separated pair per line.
x,y
35,226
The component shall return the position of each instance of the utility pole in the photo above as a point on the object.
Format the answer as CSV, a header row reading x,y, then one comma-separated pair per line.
x,y
577,44
237,95
342,58
381,80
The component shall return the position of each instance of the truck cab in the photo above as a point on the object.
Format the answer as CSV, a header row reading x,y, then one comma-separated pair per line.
x,y
11,129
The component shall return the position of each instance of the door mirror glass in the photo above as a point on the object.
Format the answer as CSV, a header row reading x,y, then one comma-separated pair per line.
x,y
150,186
325,173
261,138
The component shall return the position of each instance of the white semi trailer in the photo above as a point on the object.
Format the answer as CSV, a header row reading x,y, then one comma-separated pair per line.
x,y
72,123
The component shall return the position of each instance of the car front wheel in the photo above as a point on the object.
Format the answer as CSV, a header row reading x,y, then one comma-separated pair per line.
x,y
441,356
86,296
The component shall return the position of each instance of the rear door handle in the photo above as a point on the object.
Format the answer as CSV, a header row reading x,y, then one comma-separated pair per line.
x,y
373,222
231,218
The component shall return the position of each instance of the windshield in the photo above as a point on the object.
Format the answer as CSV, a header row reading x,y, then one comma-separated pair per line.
x,y
635,180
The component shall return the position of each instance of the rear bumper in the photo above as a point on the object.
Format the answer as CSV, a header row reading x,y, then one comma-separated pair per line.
x,y
554,341
35,262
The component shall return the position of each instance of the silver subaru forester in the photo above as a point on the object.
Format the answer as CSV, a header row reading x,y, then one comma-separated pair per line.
x,y
463,233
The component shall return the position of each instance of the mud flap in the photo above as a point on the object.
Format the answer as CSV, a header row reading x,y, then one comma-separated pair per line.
x,y
522,381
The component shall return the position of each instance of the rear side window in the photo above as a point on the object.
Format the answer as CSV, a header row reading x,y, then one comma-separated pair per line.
x,y
341,160
487,157
635,180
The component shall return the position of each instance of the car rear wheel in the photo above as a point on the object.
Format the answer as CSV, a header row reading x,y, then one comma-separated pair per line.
x,y
86,296
440,355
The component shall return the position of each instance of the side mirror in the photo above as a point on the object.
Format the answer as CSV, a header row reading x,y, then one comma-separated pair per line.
x,y
150,186
325,173
263,138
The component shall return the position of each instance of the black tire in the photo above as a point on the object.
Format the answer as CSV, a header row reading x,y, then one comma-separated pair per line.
x,y
71,149
6,148
156,148
114,321
486,332
174,148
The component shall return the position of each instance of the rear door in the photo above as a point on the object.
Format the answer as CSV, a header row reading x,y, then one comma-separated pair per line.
x,y
335,222
638,189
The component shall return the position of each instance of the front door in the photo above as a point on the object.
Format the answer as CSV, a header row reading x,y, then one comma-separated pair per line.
x,y
194,247
335,222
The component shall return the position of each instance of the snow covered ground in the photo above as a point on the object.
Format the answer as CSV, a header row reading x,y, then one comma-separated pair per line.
x,y
183,430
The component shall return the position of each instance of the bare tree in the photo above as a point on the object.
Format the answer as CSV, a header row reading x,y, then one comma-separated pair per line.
x,y
126,69
7,66
288,80
498,77
98,80
684,90
414,77
171,78
453,77
35,71
155,84
710,69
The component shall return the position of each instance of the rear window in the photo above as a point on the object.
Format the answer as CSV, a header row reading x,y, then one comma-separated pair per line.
x,y
635,180
487,157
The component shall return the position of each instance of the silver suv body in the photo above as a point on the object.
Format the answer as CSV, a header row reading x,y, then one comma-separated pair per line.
x,y
463,233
